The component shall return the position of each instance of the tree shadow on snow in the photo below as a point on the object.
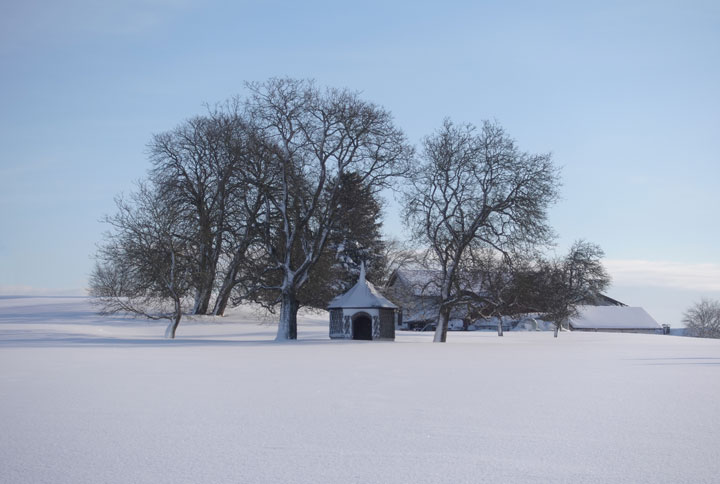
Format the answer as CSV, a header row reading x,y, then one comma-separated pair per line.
x,y
64,340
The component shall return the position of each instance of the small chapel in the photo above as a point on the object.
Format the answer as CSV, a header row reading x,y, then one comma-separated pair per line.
x,y
362,313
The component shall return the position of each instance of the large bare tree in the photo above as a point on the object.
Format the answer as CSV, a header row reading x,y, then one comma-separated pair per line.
x,y
245,212
204,167
192,167
312,137
475,189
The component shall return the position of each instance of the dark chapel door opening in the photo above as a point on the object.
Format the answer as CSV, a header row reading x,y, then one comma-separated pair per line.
x,y
362,327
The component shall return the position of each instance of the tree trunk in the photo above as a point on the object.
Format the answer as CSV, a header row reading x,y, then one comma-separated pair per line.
x,y
442,326
223,298
202,296
500,327
225,291
557,328
287,329
209,252
175,322
229,280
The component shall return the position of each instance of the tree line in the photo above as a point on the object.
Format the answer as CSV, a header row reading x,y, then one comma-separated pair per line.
x,y
275,199
702,319
270,199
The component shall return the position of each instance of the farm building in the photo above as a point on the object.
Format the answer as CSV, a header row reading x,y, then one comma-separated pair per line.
x,y
615,319
362,313
418,294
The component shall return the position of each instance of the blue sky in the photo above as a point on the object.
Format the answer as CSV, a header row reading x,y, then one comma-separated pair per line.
x,y
624,94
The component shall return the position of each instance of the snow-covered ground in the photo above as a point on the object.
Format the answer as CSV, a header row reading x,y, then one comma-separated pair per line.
x,y
84,399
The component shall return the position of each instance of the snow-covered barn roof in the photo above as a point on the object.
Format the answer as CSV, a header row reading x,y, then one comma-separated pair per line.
x,y
613,317
421,282
362,295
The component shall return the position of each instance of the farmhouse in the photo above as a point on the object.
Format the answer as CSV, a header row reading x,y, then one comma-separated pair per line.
x,y
362,313
417,293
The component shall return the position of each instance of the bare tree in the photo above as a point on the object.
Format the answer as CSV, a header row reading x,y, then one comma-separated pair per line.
x,y
476,189
564,284
313,137
245,212
397,254
702,319
200,166
143,268
495,279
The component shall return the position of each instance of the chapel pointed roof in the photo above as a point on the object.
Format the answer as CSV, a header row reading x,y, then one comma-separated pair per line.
x,y
362,295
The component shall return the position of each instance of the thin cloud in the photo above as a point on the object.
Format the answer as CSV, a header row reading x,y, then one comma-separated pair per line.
x,y
636,272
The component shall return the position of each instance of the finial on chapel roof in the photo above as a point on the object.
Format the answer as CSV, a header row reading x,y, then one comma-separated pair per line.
x,y
362,272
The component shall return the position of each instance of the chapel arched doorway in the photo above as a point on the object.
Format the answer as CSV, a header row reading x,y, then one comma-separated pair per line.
x,y
362,327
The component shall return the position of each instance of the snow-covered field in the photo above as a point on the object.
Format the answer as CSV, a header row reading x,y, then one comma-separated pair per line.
x,y
85,399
